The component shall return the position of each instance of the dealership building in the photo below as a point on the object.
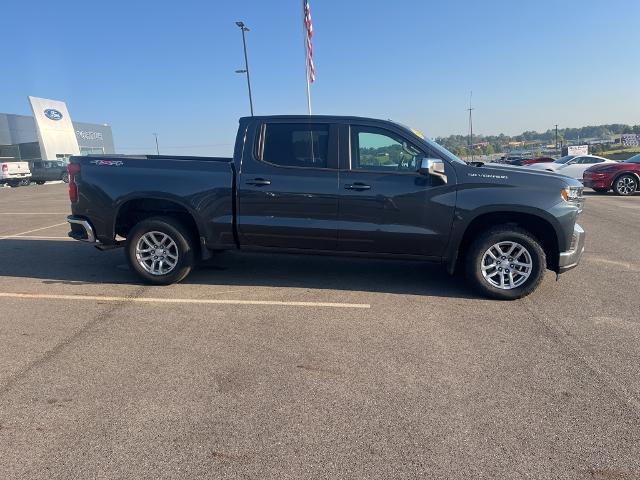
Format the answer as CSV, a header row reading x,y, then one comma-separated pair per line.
x,y
50,134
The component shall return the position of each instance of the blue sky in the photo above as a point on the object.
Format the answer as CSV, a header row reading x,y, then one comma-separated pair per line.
x,y
168,66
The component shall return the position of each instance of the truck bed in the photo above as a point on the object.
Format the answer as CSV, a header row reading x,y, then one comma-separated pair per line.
x,y
110,186
159,157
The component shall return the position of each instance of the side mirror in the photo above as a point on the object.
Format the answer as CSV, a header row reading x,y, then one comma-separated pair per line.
x,y
433,167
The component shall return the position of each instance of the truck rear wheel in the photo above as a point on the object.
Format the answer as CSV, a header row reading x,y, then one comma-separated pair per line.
x,y
506,263
160,250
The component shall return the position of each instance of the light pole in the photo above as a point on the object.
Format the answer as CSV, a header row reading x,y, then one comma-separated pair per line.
x,y
556,138
157,148
470,109
244,28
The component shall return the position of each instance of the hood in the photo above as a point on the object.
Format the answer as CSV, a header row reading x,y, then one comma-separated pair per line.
x,y
605,166
516,175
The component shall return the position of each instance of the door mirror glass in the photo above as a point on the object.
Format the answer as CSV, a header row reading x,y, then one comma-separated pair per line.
x,y
433,167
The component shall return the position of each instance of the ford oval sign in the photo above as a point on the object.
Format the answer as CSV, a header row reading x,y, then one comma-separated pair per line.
x,y
52,114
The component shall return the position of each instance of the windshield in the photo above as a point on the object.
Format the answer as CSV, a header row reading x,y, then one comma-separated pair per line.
x,y
438,148
634,159
565,159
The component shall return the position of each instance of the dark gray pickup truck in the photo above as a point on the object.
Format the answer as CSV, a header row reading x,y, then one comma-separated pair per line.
x,y
331,185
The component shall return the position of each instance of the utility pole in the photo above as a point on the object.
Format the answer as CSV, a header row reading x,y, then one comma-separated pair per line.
x,y
157,148
244,29
470,109
556,137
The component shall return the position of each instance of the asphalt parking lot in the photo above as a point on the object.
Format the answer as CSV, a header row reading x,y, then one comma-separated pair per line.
x,y
307,367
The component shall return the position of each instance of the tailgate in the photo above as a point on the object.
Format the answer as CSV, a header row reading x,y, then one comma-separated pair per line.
x,y
14,169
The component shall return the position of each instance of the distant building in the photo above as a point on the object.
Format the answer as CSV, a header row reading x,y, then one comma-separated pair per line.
x,y
20,141
630,140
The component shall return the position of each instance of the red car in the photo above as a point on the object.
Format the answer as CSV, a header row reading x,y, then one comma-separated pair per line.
x,y
623,177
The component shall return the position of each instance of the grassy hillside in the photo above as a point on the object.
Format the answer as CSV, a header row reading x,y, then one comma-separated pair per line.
x,y
619,154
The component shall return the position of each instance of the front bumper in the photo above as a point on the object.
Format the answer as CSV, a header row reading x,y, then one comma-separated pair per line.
x,y
81,229
597,181
571,257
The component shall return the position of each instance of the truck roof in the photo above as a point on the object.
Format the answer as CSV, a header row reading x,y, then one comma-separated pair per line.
x,y
315,117
332,118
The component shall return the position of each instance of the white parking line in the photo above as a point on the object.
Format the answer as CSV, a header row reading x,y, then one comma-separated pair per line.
x,y
34,213
39,237
196,301
31,231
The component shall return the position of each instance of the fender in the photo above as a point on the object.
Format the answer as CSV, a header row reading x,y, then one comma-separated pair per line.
x,y
464,218
156,196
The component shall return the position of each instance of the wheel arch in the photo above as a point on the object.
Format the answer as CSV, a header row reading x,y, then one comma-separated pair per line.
x,y
135,209
543,228
625,172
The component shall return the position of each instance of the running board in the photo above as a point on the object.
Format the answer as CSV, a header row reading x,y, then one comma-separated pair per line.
x,y
104,248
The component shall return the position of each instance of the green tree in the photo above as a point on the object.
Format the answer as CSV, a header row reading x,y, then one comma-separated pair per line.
x,y
461,151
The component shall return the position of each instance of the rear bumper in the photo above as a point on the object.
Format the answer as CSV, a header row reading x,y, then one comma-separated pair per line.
x,y
81,229
571,257
14,176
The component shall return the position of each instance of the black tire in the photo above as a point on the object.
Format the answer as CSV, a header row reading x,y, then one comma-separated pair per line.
x,y
625,185
601,190
184,246
14,184
40,182
475,257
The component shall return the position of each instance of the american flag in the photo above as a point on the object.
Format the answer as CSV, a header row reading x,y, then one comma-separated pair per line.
x,y
309,27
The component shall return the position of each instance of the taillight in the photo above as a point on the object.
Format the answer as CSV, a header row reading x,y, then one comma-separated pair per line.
x,y
5,168
73,169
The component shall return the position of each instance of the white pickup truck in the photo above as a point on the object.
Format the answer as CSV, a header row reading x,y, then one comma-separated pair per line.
x,y
14,173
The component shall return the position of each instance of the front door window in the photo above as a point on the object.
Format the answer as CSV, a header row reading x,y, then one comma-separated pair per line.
x,y
380,151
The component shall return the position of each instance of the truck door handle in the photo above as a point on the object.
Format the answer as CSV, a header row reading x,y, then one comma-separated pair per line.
x,y
259,182
358,186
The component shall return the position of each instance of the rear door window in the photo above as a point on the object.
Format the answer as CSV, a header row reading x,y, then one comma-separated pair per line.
x,y
303,145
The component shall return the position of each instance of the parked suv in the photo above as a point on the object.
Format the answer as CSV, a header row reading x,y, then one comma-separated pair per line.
x,y
48,171
623,177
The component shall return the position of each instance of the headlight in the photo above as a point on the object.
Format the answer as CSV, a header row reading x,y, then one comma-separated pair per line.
x,y
574,196
571,194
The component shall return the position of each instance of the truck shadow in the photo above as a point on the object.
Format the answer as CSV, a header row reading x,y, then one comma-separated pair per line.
x,y
73,263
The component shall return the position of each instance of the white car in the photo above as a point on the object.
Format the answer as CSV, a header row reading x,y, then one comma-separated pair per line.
x,y
13,173
571,165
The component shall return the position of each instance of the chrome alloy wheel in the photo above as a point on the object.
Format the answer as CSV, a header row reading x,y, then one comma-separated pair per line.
x,y
157,253
626,185
506,265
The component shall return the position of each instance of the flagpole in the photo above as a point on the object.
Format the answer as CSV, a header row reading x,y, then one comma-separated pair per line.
x,y
306,57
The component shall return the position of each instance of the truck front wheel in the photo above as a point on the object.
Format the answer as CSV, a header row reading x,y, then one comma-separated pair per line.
x,y
505,262
160,250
